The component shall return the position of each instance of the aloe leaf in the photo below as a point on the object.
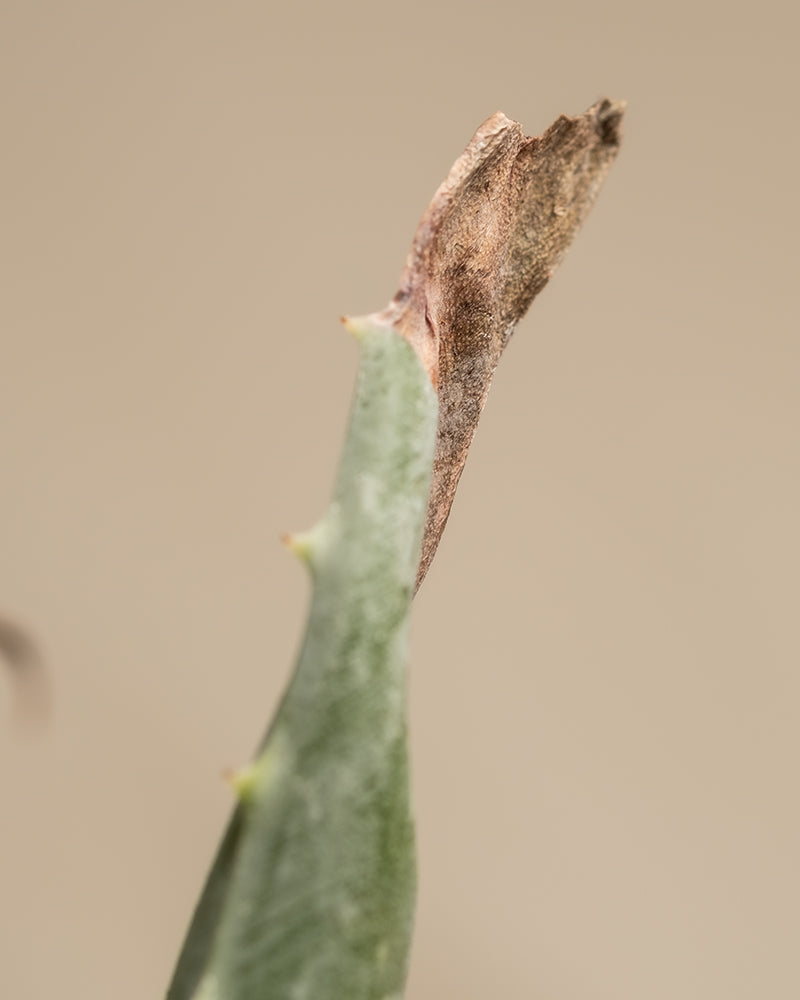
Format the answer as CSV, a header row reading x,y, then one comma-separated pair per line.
x,y
311,895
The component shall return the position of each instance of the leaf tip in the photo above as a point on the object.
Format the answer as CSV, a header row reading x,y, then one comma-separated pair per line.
x,y
608,116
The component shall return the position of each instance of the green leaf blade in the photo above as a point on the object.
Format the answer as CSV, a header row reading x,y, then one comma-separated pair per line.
x,y
313,891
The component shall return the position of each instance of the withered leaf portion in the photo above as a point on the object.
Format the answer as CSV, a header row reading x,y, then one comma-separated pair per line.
x,y
493,235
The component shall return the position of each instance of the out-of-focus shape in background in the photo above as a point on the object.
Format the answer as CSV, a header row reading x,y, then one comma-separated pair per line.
x,y
20,654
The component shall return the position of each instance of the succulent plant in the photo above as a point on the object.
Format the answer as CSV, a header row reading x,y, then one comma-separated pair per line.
x,y
311,895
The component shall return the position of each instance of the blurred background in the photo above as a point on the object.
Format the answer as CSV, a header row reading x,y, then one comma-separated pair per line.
x,y
604,677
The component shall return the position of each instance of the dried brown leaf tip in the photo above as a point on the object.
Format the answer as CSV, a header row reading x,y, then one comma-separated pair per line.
x,y
490,240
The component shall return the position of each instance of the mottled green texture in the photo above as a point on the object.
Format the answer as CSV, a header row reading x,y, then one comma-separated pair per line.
x,y
312,893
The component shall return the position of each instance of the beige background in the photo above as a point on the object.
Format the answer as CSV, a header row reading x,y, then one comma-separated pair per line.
x,y
605,654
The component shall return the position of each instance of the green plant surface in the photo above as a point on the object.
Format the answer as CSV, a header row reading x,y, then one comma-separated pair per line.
x,y
312,892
